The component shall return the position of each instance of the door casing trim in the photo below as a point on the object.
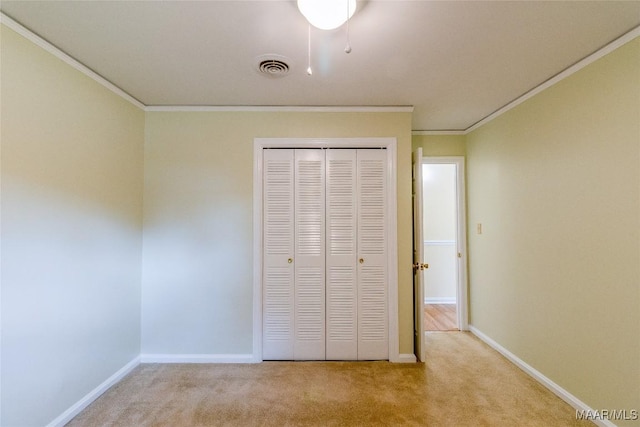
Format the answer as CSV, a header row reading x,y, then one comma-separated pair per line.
x,y
390,144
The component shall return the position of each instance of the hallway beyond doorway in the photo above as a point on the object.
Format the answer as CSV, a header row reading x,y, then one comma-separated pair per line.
x,y
440,317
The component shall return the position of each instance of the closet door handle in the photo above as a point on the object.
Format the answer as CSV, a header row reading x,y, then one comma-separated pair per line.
x,y
361,260
290,260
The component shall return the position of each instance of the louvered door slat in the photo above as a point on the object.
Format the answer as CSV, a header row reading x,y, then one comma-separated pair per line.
x,y
325,210
342,304
372,304
372,271
278,273
309,259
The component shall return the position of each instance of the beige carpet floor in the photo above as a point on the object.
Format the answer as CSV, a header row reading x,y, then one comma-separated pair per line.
x,y
463,383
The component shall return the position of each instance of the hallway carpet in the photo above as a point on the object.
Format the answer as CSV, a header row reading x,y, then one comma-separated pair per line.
x,y
463,383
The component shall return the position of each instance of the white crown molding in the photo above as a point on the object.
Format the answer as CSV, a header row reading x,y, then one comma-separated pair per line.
x,y
39,41
437,132
280,109
620,41
563,394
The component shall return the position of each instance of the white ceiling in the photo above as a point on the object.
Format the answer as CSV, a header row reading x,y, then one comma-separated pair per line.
x,y
456,62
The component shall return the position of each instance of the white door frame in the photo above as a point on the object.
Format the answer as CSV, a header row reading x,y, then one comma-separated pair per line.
x,y
462,288
259,144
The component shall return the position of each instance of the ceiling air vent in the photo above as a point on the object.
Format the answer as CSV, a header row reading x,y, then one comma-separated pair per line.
x,y
273,65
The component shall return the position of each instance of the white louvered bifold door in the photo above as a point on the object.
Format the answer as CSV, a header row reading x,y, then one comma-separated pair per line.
x,y
325,272
372,247
309,258
342,295
278,252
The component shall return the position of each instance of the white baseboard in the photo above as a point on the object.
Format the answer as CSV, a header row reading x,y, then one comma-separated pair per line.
x,y
68,415
227,358
406,358
538,376
440,300
197,358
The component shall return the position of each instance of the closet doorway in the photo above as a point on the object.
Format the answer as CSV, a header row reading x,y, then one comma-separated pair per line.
x,y
325,286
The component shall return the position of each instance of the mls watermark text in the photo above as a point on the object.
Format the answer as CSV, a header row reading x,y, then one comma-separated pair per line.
x,y
607,414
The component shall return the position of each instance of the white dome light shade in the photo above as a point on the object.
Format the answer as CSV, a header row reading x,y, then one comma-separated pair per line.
x,y
327,14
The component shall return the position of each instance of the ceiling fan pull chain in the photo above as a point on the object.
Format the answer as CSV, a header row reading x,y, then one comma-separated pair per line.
x,y
348,48
309,70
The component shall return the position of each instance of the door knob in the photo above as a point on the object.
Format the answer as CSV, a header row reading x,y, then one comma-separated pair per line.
x,y
361,260
290,260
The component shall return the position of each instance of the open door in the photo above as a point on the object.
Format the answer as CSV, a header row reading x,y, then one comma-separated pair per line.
x,y
418,266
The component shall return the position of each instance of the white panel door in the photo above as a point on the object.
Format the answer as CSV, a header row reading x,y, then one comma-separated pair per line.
x,y
278,243
342,295
418,258
373,340
309,258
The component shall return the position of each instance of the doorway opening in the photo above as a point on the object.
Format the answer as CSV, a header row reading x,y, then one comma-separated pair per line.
x,y
440,246
440,279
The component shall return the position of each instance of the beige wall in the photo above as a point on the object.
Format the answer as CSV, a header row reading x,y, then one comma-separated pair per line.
x,y
555,276
71,200
440,145
197,257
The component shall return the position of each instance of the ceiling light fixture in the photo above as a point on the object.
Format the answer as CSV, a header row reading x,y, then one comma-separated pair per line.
x,y
327,14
